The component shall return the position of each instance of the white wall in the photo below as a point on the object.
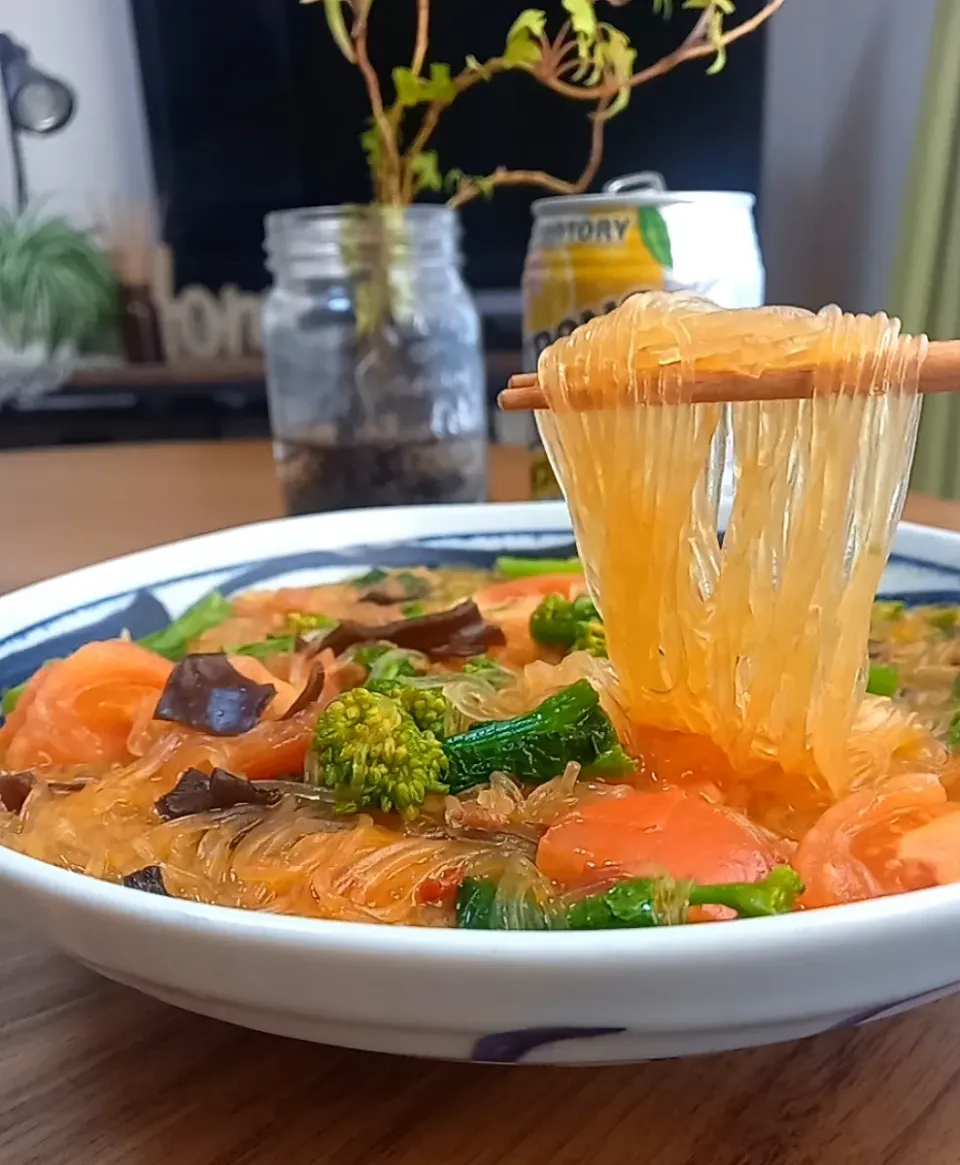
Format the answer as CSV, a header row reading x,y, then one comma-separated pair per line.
x,y
102,158
843,87
844,80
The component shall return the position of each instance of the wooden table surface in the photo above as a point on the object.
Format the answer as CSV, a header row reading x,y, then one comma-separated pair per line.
x,y
93,1074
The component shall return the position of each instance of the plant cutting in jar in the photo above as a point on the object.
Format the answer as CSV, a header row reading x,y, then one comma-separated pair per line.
x,y
585,58
379,395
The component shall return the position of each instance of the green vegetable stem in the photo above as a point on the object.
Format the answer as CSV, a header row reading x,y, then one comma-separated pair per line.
x,y
645,902
514,568
953,732
507,903
264,648
11,697
474,908
537,746
382,748
776,894
891,609
394,664
172,641
883,680
369,579
366,654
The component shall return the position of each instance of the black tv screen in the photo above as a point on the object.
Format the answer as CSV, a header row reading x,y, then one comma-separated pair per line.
x,y
252,108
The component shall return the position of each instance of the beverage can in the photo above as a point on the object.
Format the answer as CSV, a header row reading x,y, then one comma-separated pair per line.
x,y
589,252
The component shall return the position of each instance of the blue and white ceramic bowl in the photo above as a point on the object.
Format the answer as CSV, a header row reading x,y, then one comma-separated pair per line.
x,y
560,997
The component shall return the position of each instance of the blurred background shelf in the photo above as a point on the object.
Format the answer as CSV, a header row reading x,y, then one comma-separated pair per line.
x,y
183,401
197,374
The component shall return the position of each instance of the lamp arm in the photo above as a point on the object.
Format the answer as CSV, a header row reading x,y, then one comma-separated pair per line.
x,y
10,54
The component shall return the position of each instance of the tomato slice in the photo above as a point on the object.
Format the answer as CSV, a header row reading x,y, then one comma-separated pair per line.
x,y
881,841
82,709
567,585
684,833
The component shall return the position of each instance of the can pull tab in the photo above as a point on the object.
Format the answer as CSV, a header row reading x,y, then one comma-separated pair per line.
x,y
645,180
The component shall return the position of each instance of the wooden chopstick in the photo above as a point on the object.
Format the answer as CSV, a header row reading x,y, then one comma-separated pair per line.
x,y
940,372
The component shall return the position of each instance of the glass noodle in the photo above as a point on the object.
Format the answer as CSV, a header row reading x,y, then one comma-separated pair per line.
x,y
758,643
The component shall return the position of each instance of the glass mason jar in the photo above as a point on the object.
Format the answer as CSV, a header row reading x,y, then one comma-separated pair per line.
x,y
375,375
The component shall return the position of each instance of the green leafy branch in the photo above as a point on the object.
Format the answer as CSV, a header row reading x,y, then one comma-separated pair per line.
x,y
587,59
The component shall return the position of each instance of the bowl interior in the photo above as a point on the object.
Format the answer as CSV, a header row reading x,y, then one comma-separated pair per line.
x,y
142,592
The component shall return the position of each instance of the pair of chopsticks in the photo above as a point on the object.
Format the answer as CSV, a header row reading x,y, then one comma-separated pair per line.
x,y
940,372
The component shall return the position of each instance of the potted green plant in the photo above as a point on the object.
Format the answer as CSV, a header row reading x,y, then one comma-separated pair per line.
x,y
58,298
585,59
376,381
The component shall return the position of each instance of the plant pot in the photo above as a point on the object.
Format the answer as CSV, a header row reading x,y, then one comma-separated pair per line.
x,y
30,372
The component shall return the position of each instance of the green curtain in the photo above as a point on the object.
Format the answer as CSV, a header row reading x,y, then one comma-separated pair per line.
x,y
925,283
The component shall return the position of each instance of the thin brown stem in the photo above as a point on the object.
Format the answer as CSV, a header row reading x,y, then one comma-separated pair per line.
x,y
561,35
686,52
567,67
462,82
470,189
395,112
699,30
598,125
554,52
391,181
503,177
423,36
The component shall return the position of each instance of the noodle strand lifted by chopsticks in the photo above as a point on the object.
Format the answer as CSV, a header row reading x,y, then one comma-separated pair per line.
x,y
758,644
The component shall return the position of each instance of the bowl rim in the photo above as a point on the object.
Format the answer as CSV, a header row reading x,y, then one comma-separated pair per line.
x,y
750,939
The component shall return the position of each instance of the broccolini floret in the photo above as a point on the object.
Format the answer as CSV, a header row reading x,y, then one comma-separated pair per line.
x,y
487,669
568,726
592,638
371,753
303,622
391,675
428,708
560,622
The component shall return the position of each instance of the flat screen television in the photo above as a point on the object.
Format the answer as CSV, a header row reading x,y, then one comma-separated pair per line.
x,y
251,108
